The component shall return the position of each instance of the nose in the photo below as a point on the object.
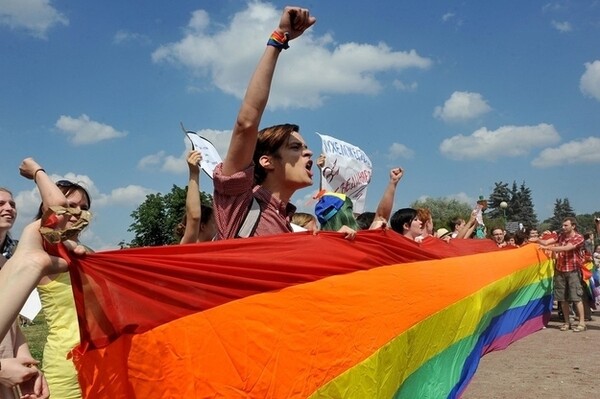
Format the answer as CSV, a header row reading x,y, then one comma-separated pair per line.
x,y
308,152
7,206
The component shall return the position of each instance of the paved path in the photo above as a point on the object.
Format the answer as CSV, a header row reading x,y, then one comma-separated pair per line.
x,y
547,364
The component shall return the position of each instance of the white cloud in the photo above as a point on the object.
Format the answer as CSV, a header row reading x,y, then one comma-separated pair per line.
x,y
83,130
462,197
123,36
507,141
562,27
127,196
589,83
175,165
448,16
398,150
34,16
307,73
462,106
163,162
586,151
453,19
149,161
553,7
398,84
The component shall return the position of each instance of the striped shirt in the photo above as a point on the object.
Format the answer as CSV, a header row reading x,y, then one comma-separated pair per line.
x,y
568,261
232,198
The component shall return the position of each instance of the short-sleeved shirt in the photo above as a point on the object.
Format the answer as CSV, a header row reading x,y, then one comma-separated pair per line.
x,y
568,261
232,199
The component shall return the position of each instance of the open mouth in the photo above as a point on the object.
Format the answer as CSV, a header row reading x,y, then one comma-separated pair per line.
x,y
7,217
309,165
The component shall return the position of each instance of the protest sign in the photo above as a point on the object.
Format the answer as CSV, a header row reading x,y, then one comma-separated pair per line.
x,y
347,170
210,156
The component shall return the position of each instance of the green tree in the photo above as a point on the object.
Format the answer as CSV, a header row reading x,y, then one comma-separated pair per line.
x,y
499,194
443,210
154,221
519,205
562,209
523,211
585,222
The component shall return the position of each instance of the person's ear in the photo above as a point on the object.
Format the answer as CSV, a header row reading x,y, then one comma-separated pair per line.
x,y
266,161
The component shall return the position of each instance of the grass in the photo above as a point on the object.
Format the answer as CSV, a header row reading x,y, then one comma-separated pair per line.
x,y
36,336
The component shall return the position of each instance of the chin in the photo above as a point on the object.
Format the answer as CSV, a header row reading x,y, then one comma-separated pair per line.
x,y
306,182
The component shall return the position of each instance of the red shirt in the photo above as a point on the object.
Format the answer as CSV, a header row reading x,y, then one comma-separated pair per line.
x,y
232,198
567,261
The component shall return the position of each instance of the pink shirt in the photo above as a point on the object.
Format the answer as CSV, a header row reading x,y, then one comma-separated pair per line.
x,y
232,198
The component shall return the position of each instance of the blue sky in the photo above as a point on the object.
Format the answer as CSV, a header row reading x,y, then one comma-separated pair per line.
x,y
460,94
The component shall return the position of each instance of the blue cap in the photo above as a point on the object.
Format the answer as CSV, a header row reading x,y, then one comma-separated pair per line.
x,y
328,205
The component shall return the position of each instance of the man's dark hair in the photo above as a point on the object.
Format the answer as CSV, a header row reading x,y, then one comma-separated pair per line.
x,y
365,220
270,140
401,217
571,219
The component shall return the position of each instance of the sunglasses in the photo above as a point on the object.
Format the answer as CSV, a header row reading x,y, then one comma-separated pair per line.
x,y
70,185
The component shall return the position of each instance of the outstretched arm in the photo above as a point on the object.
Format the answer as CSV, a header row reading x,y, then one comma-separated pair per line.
x,y
22,272
193,211
294,21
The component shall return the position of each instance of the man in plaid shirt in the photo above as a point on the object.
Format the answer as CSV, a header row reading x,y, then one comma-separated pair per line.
x,y
567,276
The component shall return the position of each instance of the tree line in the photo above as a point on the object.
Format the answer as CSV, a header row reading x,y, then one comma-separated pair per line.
x,y
155,220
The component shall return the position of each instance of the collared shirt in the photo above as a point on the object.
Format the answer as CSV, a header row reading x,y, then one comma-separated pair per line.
x,y
568,261
232,198
8,247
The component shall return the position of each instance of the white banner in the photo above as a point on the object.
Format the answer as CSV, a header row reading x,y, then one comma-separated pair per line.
x,y
32,306
347,170
210,156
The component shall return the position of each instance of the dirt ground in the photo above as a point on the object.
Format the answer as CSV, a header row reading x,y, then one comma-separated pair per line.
x,y
547,364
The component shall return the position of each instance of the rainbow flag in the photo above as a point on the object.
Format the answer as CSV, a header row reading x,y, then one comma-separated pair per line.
x,y
302,316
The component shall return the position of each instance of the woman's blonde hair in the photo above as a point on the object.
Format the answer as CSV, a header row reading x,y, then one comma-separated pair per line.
x,y
302,219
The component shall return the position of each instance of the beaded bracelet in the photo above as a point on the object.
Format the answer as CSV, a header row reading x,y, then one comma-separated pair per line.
x,y
279,40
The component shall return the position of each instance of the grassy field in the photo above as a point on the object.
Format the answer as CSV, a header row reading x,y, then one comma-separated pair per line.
x,y
36,336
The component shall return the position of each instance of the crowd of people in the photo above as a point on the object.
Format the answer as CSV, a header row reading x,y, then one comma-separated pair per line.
x,y
252,190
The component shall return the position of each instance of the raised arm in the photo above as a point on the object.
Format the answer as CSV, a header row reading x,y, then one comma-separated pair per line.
x,y
321,164
193,211
294,21
384,209
49,191
466,230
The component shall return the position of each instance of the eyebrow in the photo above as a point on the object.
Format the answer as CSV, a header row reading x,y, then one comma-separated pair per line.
x,y
294,141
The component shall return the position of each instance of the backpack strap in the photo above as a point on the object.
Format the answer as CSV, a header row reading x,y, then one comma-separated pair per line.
x,y
250,221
